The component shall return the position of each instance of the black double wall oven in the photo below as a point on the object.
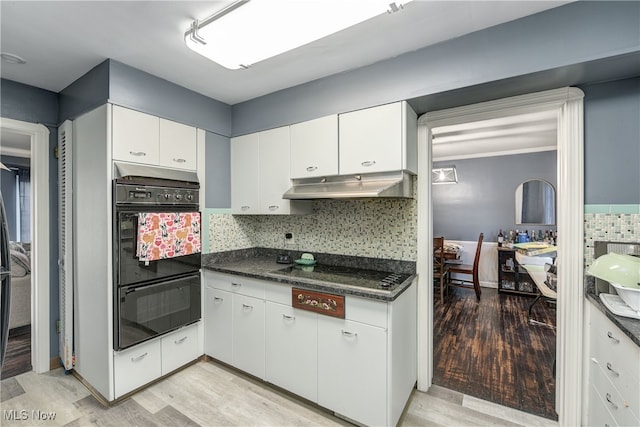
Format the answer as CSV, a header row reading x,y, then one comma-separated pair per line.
x,y
154,293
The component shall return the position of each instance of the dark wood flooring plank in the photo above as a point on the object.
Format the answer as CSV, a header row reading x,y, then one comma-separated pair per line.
x,y
487,349
17,359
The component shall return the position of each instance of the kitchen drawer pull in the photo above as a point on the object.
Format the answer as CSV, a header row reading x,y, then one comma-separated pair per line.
x,y
179,160
349,334
181,340
614,372
274,207
236,284
610,335
137,153
245,208
139,358
216,299
608,397
312,168
286,317
247,307
368,163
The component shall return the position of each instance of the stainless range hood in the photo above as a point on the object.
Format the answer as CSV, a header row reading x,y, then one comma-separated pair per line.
x,y
390,185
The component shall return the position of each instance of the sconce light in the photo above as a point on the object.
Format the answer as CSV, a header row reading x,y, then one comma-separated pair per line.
x,y
446,175
248,31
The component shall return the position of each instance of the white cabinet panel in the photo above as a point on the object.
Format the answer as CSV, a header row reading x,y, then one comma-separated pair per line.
x,y
135,136
218,333
314,148
248,334
599,415
178,145
274,170
352,369
245,174
292,349
179,348
618,405
136,367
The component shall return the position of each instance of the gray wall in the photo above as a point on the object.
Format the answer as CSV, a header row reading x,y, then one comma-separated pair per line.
x,y
556,39
483,199
85,94
612,142
34,105
218,172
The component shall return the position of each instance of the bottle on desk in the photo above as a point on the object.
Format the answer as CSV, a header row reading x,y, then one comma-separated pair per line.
x,y
500,238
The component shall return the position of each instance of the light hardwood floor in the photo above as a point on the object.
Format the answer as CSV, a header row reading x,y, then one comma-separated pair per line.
x,y
208,394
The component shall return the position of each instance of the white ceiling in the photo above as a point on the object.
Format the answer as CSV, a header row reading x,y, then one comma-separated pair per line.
x,y
61,41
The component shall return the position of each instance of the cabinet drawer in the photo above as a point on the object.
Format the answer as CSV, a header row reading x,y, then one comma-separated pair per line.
x,y
237,284
179,348
280,293
366,311
136,367
621,407
599,415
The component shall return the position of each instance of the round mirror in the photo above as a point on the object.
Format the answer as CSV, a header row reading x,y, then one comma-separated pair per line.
x,y
536,203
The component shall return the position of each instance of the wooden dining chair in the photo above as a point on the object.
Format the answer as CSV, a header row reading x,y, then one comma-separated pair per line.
x,y
440,267
466,269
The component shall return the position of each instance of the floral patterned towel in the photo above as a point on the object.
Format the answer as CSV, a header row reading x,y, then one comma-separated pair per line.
x,y
168,235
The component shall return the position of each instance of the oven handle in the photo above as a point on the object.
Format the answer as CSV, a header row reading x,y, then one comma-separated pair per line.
x,y
130,289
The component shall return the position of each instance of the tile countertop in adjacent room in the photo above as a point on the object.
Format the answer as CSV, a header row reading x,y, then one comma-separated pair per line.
x,y
631,327
257,263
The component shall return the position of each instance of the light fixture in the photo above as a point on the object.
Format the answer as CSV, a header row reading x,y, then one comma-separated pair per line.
x,y
3,167
445,175
249,31
12,58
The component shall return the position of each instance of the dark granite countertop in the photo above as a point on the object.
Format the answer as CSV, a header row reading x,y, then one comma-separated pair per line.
x,y
631,327
258,263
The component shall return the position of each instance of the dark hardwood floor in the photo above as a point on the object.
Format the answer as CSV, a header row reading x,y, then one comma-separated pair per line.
x,y
487,349
17,359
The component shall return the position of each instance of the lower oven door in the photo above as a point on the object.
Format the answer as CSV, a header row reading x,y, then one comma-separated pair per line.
x,y
146,311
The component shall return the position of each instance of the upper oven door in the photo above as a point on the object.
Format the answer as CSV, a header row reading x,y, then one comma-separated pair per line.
x,y
128,268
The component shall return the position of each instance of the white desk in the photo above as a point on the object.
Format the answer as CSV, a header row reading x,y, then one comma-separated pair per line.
x,y
539,277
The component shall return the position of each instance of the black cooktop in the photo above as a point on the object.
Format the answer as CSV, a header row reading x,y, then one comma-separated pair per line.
x,y
371,279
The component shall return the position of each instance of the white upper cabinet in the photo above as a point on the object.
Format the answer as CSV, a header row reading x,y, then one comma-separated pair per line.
x,y
245,174
378,139
143,138
178,145
260,174
135,136
314,148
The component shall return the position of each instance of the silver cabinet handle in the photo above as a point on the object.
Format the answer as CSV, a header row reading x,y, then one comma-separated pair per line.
x,y
286,317
610,335
137,153
139,358
312,168
614,372
236,284
368,163
216,299
349,334
178,160
608,397
247,307
245,208
181,340
274,207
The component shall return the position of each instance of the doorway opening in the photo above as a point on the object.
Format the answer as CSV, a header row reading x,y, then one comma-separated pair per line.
x,y
566,105
33,139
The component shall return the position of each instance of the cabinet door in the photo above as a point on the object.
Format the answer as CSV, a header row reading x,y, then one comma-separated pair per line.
x,y
352,369
179,348
371,140
248,334
136,366
314,147
135,136
274,170
218,330
245,174
292,350
178,145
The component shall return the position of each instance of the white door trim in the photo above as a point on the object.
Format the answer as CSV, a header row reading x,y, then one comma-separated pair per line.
x,y
568,104
40,277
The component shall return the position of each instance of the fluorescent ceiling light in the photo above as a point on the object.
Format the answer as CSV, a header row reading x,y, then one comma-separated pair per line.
x,y
248,31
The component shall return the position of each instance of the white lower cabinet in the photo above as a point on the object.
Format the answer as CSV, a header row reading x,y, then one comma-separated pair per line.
x,y
217,324
179,348
248,334
292,349
137,366
352,369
